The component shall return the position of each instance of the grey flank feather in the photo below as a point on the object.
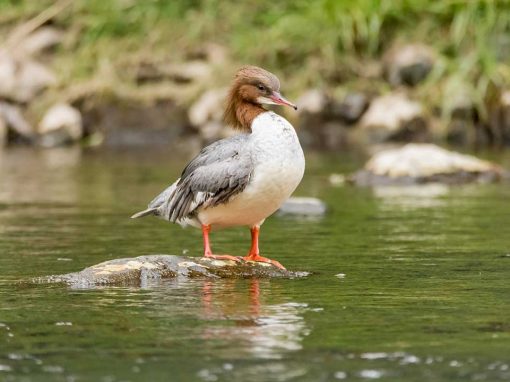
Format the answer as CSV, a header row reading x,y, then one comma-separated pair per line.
x,y
220,171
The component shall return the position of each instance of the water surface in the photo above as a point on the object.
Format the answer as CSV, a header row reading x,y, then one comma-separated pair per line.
x,y
409,284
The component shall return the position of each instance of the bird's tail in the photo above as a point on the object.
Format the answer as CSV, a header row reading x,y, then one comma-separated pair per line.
x,y
141,214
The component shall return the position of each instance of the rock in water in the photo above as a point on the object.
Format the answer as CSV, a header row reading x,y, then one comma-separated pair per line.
x,y
140,270
304,206
393,117
420,163
61,124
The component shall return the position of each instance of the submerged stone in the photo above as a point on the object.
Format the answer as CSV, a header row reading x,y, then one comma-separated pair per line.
x,y
140,270
305,206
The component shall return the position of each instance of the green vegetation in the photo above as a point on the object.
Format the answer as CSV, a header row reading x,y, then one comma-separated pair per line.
x,y
316,43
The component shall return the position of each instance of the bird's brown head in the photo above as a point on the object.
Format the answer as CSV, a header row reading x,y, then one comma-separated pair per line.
x,y
252,88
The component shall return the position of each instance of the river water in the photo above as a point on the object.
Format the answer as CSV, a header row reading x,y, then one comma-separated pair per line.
x,y
408,284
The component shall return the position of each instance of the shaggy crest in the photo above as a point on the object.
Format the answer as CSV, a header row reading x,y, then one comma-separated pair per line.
x,y
242,104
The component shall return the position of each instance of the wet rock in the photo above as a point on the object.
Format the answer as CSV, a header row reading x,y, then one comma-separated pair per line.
x,y
421,163
60,125
350,109
305,206
22,79
408,64
143,269
14,119
394,117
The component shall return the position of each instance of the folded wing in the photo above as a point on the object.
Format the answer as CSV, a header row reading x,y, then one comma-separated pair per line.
x,y
220,171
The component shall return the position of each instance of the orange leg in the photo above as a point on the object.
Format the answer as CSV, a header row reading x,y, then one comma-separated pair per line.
x,y
254,254
207,247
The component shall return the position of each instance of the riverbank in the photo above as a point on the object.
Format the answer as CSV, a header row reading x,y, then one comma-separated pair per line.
x,y
154,73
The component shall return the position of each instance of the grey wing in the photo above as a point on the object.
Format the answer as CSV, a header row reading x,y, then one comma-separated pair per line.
x,y
215,152
220,171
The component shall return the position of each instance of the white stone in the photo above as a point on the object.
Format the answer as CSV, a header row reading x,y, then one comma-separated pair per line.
x,y
62,116
303,206
423,160
390,112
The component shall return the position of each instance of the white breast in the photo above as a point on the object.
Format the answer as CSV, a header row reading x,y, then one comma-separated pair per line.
x,y
279,167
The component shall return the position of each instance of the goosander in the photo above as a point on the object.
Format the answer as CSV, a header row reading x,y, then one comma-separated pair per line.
x,y
240,180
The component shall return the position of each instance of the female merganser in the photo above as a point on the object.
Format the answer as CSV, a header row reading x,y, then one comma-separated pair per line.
x,y
241,180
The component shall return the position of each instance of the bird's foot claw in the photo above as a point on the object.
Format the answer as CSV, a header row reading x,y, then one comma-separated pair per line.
x,y
261,259
222,257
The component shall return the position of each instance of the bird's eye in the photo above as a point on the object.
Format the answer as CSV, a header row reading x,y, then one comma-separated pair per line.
x,y
261,87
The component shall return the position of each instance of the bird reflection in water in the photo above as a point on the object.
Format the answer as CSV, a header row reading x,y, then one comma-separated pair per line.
x,y
238,313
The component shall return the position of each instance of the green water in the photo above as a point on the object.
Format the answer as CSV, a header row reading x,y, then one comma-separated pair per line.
x,y
408,284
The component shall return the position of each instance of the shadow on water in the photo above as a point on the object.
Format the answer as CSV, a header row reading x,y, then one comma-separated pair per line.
x,y
409,284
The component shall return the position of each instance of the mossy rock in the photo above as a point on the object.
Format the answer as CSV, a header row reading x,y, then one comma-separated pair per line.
x,y
140,270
